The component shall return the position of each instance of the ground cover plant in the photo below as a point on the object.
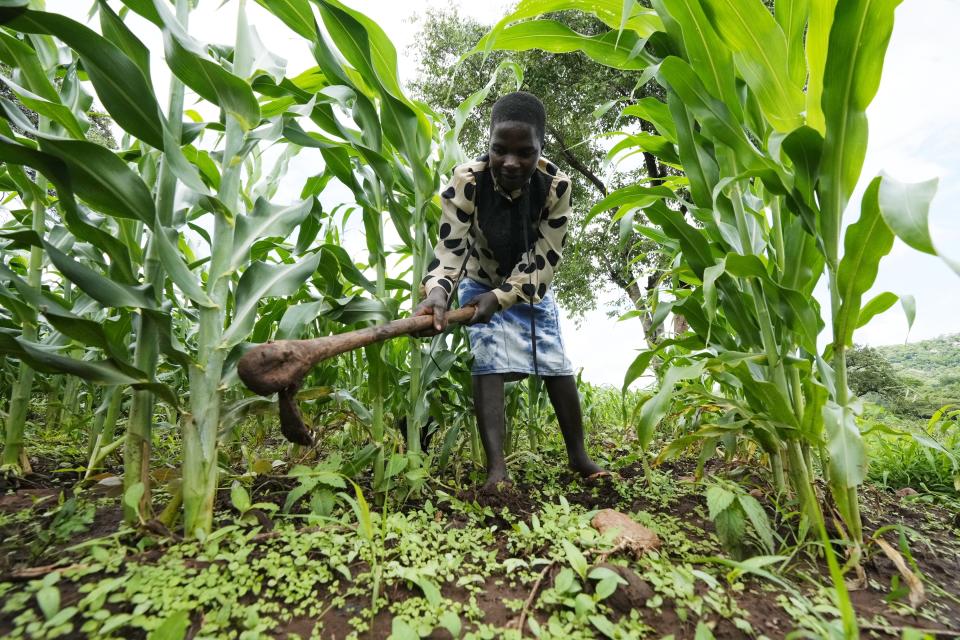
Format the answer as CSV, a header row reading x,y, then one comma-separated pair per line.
x,y
148,493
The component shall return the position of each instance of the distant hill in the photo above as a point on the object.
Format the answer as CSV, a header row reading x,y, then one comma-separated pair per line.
x,y
935,361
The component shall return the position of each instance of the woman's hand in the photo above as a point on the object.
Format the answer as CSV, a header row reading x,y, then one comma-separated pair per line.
x,y
486,304
435,304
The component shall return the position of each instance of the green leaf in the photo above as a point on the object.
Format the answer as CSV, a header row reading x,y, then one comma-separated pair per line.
x,y
703,632
848,456
42,358
715,117
634,196
718,499
400,630
99,287
616,14
451,622
297,318
55,111
189,61
906,209
760,54
239,497
656,113
22,57
759,520
877,305
101,178
296,14
397,463
58,173
120,85
95,173
564,581
792,15
583,604
259,281
606,587
865,243
189,283
48,599
364,520
817,42
624,53
909,304
266,220
603,625
656,407
174,627
575,558
709,57
117,32
858,42
133,495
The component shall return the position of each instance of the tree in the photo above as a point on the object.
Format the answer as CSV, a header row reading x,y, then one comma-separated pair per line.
x,y
870,372
574,90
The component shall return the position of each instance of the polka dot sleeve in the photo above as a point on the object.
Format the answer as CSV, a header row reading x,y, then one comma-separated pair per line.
x,y
530,279
456,216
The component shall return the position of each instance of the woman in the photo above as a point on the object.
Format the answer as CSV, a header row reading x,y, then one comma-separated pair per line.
x,y
503,227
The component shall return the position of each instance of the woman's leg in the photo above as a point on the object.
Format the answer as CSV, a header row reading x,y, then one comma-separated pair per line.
x,y
491,423
566,404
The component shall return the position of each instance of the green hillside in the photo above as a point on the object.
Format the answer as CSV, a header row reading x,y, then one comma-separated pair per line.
x,y
927,374
936,361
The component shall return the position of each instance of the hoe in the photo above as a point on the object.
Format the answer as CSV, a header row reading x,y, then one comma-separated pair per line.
x,y
279,367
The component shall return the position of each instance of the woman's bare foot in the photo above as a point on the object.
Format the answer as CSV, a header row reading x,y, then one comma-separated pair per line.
x,y
588,469
497,479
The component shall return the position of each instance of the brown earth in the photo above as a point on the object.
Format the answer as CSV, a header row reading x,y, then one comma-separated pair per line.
x,y
936,553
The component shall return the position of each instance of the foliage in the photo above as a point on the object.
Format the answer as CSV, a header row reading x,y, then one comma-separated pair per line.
x,y
871,373
153,265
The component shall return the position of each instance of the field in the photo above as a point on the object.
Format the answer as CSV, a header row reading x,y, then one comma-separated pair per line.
x,y
453,561
775,480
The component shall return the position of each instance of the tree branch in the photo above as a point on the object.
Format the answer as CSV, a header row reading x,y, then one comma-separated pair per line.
x,y
575,162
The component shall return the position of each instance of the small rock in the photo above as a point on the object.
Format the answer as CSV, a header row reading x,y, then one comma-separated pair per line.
x,y
628,533
906,491
633,595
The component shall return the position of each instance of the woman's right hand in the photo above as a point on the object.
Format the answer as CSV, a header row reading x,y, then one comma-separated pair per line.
x,y
435,304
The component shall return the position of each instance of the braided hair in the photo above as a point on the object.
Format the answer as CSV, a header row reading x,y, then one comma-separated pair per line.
x,y
520,106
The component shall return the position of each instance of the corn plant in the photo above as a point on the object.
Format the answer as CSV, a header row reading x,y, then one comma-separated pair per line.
x,y
765,114
123,209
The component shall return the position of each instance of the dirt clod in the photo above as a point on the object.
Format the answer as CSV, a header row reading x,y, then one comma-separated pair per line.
x,y
633,595
628,533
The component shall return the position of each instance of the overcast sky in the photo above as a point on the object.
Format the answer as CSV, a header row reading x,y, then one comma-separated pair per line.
x,y
914,135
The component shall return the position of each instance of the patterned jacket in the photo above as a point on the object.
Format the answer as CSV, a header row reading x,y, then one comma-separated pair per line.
x,y
476,215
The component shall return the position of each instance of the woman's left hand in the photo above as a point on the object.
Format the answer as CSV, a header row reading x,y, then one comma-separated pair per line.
x,y
486,304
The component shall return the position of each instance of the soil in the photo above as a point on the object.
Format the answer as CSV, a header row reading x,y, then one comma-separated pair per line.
x,y
936,552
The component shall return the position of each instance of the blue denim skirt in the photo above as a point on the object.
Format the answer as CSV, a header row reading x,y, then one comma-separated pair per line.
x,y
504,344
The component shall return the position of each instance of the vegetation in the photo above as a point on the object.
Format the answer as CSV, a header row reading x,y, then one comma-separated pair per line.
x,y
149,494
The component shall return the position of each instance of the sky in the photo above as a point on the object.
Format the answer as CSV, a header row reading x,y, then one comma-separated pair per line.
x,y
914,135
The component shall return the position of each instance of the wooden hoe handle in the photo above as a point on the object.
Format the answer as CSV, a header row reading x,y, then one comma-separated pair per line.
x,y
274,366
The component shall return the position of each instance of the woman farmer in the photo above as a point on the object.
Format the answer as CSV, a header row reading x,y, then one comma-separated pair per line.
x,y
503,227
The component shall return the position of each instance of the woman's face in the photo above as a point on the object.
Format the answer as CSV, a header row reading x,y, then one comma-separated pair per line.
x,y
514,151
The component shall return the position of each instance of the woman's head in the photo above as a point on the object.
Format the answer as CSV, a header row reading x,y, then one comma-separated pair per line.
x,y
516,138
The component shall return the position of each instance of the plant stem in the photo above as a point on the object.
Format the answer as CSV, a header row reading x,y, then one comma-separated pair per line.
x,y
136,451
202,424
14,454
